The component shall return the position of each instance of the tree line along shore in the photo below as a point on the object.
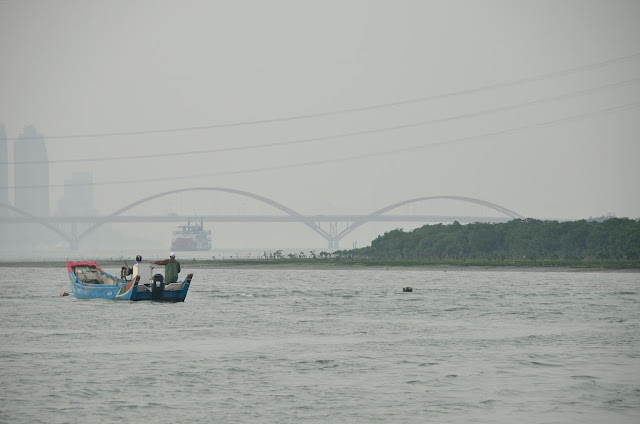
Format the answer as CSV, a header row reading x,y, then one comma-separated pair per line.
x,y
520,241
612,243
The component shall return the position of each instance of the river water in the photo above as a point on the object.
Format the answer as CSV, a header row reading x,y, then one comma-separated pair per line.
x,y
326,346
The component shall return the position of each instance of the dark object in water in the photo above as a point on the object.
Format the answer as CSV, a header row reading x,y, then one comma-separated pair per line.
x,y
407,289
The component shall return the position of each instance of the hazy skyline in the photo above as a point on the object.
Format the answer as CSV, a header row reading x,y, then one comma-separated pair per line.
x,y
330,107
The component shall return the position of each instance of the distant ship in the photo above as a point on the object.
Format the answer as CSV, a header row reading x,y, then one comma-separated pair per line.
x,y
191,237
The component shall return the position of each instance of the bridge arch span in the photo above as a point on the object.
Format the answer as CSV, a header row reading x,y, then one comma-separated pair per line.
x,y
501,209
257,197
496,207
333,237
46,224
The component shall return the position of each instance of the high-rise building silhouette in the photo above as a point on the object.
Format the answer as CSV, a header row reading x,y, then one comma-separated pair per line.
x,y
31,180
4,171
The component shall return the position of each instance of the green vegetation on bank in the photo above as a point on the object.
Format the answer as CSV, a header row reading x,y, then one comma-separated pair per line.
x,y
524,241
337,262
613,244
347,262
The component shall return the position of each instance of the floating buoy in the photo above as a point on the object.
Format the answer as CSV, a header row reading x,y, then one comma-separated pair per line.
x,y
407,289
64,293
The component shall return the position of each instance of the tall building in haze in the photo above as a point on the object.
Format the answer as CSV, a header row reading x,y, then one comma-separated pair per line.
x,y
31,180
4,171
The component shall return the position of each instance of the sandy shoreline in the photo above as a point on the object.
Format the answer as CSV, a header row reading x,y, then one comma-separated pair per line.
x,y
188,266
441,268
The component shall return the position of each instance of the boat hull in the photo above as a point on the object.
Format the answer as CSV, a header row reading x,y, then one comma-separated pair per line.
x,y
89,281
175,292
82,290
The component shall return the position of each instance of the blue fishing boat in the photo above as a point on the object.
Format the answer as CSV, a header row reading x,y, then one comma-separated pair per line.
x,y
89,281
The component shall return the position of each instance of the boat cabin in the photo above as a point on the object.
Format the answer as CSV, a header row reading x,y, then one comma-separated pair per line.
x,y
90,273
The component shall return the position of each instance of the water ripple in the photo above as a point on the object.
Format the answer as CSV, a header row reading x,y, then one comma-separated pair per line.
x,y
258,346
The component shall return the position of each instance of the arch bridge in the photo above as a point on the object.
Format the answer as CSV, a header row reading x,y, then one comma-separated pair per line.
x,y
333,235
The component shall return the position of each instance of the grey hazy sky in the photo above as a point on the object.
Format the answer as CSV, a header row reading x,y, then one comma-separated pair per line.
x,y
95,67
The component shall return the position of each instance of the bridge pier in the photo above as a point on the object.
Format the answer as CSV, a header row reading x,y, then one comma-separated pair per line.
x,y
74,242
333,232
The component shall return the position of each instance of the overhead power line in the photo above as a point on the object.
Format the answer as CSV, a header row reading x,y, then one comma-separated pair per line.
x,y
460,140
489,87
333,136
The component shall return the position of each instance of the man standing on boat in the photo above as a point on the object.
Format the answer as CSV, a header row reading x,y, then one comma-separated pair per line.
x,y
171,268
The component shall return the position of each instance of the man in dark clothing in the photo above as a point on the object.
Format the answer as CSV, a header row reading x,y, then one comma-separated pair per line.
x,y
171,268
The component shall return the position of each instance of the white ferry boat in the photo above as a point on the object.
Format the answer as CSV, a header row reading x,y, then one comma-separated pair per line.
x,y
191,237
